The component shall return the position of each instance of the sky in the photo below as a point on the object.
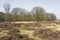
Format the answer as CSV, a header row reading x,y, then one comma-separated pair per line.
x,y
51,6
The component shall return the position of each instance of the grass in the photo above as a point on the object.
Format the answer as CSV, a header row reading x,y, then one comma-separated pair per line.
x,y
4,33
30,32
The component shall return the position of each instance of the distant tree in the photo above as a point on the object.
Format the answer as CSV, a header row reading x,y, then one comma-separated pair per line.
x,y
7,17
6,7
38,13
15,13
18,13
1,16
50,17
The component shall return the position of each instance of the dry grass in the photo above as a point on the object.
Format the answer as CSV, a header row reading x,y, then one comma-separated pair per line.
x,y
29,29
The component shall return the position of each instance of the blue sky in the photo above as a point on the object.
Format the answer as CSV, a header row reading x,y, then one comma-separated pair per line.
x,y
52,6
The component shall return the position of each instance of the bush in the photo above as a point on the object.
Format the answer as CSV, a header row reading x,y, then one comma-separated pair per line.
x,y
14,31
14,34
47,34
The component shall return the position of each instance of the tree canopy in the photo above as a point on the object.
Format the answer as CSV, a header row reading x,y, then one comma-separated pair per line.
x,y
20,14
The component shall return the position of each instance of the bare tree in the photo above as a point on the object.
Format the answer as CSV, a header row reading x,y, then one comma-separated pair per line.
x,y
6,7
38,13
18,13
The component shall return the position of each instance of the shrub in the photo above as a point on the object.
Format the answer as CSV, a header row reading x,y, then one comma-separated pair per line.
x,y
47,34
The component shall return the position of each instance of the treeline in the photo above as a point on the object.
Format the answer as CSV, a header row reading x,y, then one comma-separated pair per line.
x,y
19,14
